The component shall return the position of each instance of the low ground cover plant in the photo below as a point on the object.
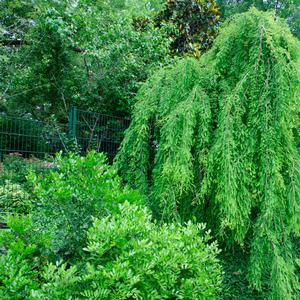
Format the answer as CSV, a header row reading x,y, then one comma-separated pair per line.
x,y
14,199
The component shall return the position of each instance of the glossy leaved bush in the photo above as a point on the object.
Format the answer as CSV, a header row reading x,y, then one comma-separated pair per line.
x,y
195,24
215,139
133,258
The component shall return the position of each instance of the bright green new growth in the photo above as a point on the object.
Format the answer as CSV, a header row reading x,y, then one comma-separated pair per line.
x,y
215,139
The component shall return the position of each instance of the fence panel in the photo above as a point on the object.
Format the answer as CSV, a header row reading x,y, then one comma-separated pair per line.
x,y
27,144
96,131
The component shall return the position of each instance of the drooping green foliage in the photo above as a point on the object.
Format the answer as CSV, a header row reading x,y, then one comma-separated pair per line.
x,y
215,139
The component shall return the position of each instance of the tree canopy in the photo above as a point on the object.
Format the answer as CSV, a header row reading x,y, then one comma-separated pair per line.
x,y
215,139
195,24
92,54
55,54
287,9
96,54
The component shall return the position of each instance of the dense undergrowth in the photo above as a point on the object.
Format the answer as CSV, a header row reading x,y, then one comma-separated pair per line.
x,y
88,237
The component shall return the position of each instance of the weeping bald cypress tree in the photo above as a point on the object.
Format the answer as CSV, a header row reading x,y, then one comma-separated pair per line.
x,y
215,139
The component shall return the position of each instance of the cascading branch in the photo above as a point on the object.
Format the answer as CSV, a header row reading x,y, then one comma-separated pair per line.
x,y
215,139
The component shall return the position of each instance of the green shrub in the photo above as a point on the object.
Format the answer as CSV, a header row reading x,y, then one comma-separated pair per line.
x,y
25,272
134,258
21,258
57,281
14,199
127,257
68,197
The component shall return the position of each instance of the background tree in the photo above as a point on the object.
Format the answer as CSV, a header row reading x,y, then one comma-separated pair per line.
x,y
93,54
195,24
287,9
15,21
84,53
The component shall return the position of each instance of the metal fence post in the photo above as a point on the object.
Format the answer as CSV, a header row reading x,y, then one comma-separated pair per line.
x,y
72,121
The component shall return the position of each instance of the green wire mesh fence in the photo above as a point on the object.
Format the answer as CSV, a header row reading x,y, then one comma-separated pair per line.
x,y
27,144
96,131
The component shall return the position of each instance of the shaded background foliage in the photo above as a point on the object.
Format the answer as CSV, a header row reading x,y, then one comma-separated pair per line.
x,y
287,9
81,53
96,54
195,24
